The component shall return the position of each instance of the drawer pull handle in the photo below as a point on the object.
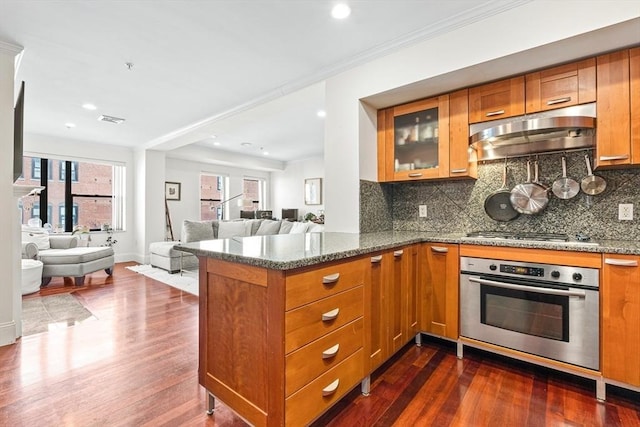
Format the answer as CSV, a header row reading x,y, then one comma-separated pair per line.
x,y
331,388
559,101
332,278
415,175
330,352
621,262
439,249
376,258
458,170
609,158
495,113
330,315
398,253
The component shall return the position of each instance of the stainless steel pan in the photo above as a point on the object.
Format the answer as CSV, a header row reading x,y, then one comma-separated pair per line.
x,y
592,184
529,198
498,204
565,188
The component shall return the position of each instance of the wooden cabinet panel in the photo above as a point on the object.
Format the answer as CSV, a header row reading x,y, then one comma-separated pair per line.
x,y
412,323
311,321
634,75
562,86
310,361
462,163
620,295
497,100
376,312
317,283
613,137
441,279
397,299
304,405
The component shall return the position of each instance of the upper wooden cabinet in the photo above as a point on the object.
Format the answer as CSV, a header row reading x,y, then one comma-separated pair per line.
x,y
618,80
425,139
562,86
497,100
621,318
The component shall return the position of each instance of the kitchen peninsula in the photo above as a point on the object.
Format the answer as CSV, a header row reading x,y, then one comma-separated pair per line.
x,y
290,323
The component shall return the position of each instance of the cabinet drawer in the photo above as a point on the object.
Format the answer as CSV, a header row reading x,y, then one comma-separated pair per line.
x,y
309,286
311,321
317,357
496,100
312,400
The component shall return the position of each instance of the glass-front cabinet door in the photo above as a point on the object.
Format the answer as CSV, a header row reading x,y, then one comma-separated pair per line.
x,y
417,140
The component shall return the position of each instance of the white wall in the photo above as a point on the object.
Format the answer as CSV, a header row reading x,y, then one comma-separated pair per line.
x,y
187,173
10,286
287,186
47,146
350,146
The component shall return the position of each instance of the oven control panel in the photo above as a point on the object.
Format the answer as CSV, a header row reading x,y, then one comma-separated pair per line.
x,y
523,271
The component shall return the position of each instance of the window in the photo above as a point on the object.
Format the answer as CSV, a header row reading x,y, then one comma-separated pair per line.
x,y
253,189
212,194
62,171
87,194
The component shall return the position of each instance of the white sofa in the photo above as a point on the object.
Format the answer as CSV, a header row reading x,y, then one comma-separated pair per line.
x,y
163,255
62,257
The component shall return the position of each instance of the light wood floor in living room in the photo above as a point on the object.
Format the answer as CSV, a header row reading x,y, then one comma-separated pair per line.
x,y
136,365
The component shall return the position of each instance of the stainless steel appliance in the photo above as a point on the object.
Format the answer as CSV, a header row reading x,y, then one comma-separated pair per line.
x,y
548,310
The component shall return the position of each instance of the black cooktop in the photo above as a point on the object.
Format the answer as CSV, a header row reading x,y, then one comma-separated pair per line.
x,y
545,237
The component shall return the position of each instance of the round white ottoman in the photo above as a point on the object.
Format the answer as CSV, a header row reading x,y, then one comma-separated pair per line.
x,y
31,276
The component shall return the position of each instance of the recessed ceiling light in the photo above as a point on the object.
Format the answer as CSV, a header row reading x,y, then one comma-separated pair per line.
x,y
88,106
265,153
340,11
70,125
322,113
213,136
246,144
216,143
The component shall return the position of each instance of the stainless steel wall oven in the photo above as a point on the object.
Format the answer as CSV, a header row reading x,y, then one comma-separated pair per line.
x,y
548,310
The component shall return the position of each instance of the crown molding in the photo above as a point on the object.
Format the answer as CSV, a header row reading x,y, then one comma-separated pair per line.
x,y
10,48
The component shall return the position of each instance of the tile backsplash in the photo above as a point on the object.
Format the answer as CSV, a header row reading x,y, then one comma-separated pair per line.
x,y
457,206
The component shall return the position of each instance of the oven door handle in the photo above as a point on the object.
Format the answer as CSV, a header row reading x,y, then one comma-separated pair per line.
x,y
548,291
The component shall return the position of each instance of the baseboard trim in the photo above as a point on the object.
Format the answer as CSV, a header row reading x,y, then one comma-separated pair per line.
x,y
7,333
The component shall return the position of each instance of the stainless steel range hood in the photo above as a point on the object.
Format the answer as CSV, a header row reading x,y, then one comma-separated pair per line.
x,y
556,130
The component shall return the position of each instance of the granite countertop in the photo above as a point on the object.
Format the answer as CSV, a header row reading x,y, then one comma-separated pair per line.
x,y
289,251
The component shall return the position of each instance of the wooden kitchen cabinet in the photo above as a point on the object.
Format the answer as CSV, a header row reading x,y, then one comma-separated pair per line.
x,y
562,86
620,295
426,139
617,94
280,347
391,303
440,276
497,100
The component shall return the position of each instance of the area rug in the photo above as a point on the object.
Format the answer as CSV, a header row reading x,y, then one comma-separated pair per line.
x,y
187,281
42,314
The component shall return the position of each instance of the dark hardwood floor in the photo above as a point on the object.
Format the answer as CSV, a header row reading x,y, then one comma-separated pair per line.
x,y
136,365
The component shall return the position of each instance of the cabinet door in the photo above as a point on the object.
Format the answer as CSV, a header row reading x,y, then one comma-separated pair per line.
x,y
398,299
562,86
496,100
440,301
413,292
634,74
613,137
417,146
462,162
621,318
375,313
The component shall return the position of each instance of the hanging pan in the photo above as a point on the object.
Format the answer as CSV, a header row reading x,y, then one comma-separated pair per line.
x,y
592,184
529,198
497,205
565,188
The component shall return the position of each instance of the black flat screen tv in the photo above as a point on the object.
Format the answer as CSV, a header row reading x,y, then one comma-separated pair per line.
x,y
18,134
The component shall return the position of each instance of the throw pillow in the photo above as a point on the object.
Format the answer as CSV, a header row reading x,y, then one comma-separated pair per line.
x,y
228,229
299,228
315,228
196,231
285,227
36,235
268,227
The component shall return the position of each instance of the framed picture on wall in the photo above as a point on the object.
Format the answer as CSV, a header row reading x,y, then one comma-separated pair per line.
x,y
172,190
313,191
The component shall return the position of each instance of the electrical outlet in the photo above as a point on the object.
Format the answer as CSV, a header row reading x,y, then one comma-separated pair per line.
x,y
422,211
625,212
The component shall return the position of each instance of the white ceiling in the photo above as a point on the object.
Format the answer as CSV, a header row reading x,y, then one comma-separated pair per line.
x,y
244,70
